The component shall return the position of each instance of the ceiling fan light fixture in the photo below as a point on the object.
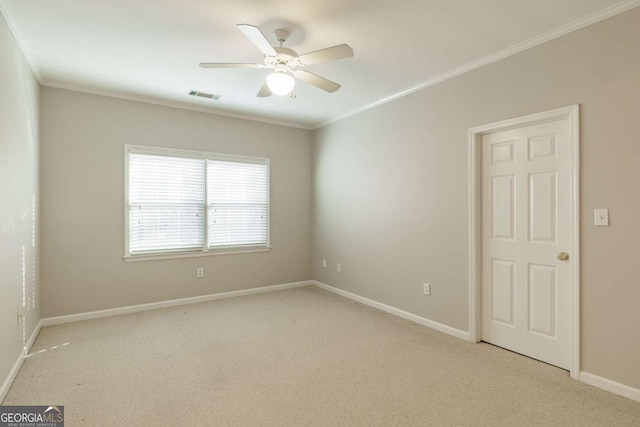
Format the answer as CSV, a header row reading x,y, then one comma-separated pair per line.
x,y
284,61
280,83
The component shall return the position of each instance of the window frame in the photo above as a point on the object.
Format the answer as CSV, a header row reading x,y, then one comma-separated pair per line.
x,y
205,250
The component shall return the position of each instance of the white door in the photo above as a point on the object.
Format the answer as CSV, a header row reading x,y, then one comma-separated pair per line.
x,y
526,208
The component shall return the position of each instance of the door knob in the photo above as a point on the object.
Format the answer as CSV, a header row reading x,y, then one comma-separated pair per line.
x,y
563,256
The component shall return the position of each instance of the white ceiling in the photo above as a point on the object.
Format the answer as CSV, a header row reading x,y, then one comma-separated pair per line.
x,y
150,50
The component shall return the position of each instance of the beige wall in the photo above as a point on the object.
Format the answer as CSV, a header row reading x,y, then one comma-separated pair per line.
x,y
390,186
19,204
83,203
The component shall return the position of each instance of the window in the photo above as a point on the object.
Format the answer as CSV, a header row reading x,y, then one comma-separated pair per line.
x,y
183,203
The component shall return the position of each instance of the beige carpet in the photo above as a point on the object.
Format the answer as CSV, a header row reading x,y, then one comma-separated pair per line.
x,y
301,357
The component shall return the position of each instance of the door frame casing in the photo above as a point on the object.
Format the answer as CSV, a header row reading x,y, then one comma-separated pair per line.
x,y
572,113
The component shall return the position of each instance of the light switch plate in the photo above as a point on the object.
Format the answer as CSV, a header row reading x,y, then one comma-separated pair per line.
x,y
601,217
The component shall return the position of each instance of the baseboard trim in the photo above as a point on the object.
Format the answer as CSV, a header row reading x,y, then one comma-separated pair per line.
x,y
396,312
610,386
16,366
58,320
585,377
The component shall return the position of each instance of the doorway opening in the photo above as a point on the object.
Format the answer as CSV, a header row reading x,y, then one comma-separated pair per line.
x,y
527,207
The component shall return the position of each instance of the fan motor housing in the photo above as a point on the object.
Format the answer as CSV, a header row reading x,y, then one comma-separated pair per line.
x,y
285,56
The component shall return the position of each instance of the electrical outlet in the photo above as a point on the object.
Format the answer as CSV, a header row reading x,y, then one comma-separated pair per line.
x,y
426,288
339,267
324,263
200,272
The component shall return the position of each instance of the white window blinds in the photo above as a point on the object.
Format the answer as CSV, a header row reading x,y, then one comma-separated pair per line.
x,y
166,203
238,197
184,201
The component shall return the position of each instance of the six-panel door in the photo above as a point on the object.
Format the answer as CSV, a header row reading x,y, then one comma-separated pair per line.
x,y
525,226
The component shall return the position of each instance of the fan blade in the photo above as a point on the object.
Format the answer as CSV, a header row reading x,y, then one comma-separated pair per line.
x,y
317,81
264,91
340,51
258,39
229,65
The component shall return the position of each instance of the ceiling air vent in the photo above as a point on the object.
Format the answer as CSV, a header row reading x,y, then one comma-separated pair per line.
x,y
205,95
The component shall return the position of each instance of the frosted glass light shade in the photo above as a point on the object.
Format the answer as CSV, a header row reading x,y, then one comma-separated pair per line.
x,y
280,83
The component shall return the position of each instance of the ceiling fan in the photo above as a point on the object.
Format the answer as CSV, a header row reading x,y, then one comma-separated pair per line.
x,y
286,63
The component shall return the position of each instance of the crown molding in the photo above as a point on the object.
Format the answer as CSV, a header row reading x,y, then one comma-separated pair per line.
x,y
5,10
596,17
174,104
512,50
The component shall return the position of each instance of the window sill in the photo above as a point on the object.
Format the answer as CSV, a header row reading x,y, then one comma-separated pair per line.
x,y
176,255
